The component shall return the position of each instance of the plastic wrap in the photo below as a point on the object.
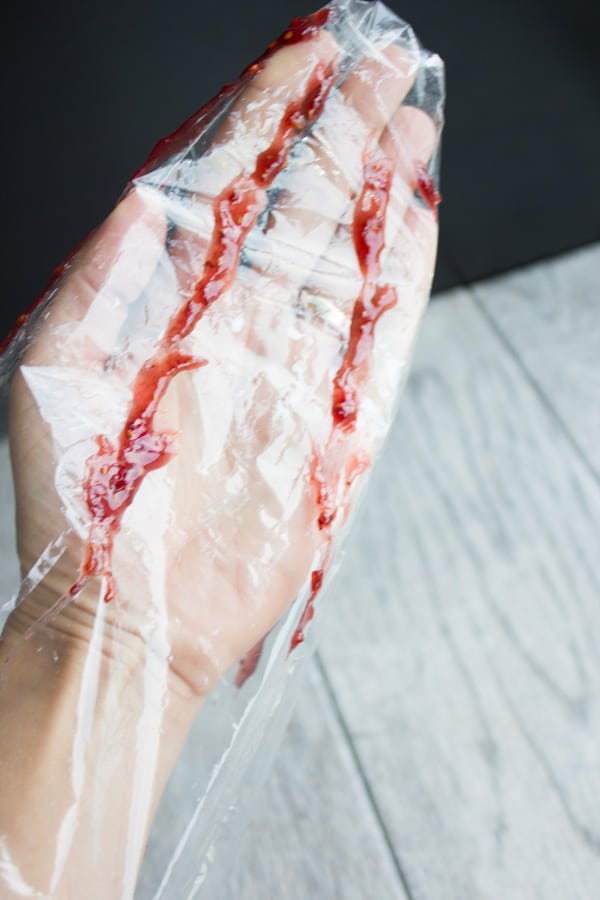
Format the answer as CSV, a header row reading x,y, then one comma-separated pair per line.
x,y
196,403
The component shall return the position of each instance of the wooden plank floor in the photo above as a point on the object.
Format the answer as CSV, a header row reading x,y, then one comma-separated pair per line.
x,y
446,743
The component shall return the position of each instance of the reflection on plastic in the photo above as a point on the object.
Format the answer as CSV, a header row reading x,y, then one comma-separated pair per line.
x,y
213,372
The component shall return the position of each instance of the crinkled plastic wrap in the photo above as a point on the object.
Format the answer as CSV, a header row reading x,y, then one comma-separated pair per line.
x,y
196,403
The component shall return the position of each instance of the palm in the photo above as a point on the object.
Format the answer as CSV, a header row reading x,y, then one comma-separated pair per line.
x,y
219,540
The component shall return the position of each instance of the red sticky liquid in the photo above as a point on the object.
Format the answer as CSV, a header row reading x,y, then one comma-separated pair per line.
x,y
325,505
427,188
238,207
316,582
115,473
236,210
368,231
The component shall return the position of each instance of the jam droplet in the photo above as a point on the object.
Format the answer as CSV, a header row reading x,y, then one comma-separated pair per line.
x,y
427,188
316,583
368,230
325,505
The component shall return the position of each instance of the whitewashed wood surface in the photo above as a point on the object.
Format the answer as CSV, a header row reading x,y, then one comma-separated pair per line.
x,y
548,316
446,744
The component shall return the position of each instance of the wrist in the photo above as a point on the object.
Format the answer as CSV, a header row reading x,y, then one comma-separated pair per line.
x,y
104,641
67,638
71,697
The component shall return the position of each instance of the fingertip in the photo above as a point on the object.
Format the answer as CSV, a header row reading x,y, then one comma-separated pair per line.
x,y
410,138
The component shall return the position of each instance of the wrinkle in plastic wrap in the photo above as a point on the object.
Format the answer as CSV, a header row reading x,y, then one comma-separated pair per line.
x,y
196,403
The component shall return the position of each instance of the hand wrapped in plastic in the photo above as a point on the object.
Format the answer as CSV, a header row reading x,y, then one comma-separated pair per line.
x,y
195,407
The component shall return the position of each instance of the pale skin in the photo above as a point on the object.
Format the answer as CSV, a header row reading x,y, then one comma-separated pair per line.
x,y
156,653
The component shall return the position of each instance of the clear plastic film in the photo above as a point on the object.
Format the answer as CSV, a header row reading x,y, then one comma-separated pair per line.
x,y
196,403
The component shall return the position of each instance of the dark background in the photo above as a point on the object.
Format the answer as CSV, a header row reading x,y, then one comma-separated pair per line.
x,y
89,88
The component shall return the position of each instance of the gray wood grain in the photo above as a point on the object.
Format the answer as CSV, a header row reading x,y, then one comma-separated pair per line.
x,y
314,833
550,315
464,653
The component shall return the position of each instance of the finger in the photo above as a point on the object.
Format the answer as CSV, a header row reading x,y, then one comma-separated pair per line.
x,y
361,110
326,168
326,173
409,141
296,250
329,291
334,283
251,127
109,273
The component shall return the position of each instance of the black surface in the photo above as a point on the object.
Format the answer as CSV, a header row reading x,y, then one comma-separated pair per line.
x,y
89,88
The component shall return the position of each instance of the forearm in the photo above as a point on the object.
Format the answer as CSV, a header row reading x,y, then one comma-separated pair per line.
x,y
87,743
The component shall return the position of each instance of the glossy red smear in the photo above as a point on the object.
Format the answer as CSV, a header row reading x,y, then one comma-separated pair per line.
x,y
298,117
236,210
427,188
247,666
369,216
356,360
369,240
325,505
368,230
114,474
307,616
151,384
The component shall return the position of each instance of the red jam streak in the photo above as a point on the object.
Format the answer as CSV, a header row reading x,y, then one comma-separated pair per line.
x,y
237,208
369,239
316,582
115,473
298,31
325,504
427,188
368,231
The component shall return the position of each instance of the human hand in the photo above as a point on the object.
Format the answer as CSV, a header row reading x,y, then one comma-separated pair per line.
x,y
230,546
203,396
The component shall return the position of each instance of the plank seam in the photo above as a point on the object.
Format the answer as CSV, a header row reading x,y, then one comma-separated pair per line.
x,y
533,383
473,288
339,716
